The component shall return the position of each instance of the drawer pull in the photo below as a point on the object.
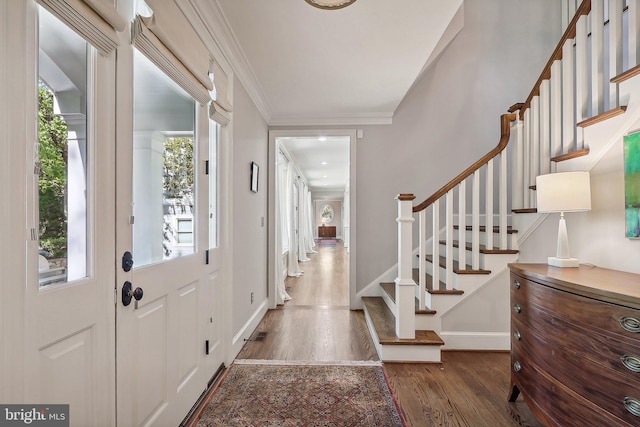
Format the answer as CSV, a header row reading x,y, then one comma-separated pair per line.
x,y
518,336
632,363
632,405
517,308
630,324
516,284
518,367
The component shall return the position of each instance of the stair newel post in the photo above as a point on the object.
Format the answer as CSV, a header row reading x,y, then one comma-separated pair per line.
x,y
405,285
422,256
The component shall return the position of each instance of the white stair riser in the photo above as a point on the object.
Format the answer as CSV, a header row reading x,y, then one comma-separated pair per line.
x,y
410,353
428,322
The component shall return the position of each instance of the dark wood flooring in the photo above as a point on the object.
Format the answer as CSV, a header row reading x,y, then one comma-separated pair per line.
x,y
466,389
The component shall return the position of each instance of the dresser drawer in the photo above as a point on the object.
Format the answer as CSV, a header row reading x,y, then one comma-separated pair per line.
x,y
590,313
617,356
552,402
603,387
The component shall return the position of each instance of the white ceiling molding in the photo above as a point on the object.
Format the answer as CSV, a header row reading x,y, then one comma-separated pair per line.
x,y
211,18
349,120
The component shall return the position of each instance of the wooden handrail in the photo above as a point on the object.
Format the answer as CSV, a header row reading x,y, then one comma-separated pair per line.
x,y
505,132
570,33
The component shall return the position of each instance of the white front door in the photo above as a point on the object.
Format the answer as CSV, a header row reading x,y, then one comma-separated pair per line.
x,y
161,220
69,306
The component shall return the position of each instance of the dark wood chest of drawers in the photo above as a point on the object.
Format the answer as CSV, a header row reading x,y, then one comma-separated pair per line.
x,y
575,344
327,232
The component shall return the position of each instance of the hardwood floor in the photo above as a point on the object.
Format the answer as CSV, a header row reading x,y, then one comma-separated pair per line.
x,y
466,389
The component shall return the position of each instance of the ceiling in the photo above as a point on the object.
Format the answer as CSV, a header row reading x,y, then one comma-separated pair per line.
x,y
347,66
324,161
352,66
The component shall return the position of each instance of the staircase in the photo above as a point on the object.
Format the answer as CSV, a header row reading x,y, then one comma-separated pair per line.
x,y
586,99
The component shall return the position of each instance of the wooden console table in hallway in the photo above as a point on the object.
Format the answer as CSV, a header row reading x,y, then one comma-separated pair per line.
x,y
327,232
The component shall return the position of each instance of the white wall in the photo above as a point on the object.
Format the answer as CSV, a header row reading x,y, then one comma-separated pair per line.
x,y
596,237
250,139
450,118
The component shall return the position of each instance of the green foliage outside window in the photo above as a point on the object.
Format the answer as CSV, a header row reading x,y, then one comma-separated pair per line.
x,y
52,181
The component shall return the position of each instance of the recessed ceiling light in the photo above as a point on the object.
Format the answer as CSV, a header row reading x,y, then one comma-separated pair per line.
x,y
322,139
324,176
323,163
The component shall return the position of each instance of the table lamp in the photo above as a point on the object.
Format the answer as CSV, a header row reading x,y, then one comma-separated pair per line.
x,y
563,192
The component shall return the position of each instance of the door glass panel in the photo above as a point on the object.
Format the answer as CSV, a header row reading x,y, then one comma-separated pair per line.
x,y
163,166
62,162
214,135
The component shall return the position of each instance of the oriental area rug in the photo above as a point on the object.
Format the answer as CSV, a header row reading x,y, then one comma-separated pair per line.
x,y
256,393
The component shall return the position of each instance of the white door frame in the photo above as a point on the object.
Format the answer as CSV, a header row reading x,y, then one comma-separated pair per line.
x,y
273,257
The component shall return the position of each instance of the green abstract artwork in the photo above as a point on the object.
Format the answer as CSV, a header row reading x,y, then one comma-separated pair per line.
x,y
632,184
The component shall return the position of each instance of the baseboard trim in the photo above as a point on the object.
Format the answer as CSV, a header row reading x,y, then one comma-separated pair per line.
x,y
485,341
247,329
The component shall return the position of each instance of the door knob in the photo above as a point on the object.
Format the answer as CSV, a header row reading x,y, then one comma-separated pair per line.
x,y
128,293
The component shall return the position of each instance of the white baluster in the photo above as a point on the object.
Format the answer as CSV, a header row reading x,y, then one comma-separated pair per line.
x,y
526,165
517,194
422,256
582,82
502,188
634,33
462,225
449,242
568,101
597,57
565,13
535,147
555,106
615,48
405,285
475,223
435,243
545,128
488,210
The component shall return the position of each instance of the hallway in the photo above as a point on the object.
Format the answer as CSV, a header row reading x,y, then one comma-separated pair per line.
x,y
466,389
316,324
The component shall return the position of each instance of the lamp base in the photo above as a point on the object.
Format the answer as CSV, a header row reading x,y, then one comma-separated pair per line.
x,y
562,262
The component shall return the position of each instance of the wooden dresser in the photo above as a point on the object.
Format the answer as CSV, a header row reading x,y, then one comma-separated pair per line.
x,y
327,232
575,344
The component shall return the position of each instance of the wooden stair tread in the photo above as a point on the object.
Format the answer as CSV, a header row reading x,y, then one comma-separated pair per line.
x,y
525,210
384,322
456,266
390,289
442,288
483,248
570,155
533,187
603,116
626,75
483,229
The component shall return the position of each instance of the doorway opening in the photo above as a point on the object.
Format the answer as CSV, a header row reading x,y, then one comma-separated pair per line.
x,y
311,207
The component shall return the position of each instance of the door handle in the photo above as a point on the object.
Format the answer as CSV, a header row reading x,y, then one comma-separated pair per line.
x,y
128,293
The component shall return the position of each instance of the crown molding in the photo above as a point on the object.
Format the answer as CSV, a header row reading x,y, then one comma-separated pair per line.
x,y
340,120
212,19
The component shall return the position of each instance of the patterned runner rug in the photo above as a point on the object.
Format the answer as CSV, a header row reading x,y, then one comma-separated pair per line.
x,y
302,395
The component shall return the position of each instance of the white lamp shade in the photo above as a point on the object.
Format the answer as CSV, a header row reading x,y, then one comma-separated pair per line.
x,y
563,192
